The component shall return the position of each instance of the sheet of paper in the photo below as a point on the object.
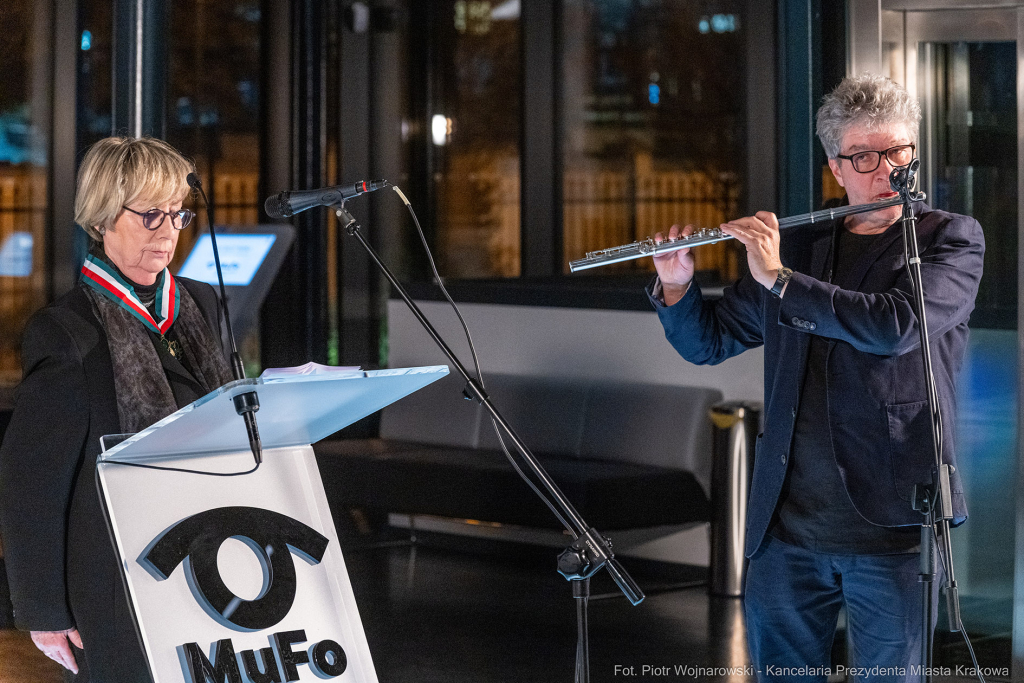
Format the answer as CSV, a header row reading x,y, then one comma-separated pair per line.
x,y
309,368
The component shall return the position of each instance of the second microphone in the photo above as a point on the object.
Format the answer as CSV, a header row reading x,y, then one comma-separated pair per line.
x,y
286,204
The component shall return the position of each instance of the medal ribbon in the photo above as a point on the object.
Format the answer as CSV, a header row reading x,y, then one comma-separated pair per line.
x,y
105,280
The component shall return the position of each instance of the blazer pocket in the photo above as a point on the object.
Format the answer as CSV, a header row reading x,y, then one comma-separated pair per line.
x,y
910,446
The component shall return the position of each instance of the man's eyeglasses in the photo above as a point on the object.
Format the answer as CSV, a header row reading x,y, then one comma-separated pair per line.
x,y
154,218
868,161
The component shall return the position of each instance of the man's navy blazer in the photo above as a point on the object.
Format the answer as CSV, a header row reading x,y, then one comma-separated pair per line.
x,y
877,401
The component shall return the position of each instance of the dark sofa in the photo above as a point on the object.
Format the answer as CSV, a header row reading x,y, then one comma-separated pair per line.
x,y
627,455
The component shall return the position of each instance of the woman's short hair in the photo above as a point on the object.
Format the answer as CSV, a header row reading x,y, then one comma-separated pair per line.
x,y
118,171
870,100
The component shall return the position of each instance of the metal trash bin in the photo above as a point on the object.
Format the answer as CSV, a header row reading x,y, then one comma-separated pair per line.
x,y
736,425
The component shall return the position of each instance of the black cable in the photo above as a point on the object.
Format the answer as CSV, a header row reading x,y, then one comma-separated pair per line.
x,y
440,282
476,361
974,659
960,623
179,469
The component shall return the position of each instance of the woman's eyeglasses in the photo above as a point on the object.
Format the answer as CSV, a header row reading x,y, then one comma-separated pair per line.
x,y
154,218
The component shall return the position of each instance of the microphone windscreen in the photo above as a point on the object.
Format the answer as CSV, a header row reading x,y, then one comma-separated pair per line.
x,y
276,206
193,180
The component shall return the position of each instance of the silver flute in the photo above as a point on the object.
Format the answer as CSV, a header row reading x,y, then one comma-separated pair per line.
x,y
649,247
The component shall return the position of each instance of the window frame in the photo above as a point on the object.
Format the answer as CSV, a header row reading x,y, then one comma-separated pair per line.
x,y
541,280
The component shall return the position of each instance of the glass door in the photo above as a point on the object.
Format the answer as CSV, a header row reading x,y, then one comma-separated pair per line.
x,y
963,66
972,135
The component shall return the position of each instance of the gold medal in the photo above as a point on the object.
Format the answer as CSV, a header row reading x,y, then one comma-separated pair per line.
x,y
173,347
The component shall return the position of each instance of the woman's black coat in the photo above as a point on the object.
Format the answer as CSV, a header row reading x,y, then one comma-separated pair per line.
x,y
61,563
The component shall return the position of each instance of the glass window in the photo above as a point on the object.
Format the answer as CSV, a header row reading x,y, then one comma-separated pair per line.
x,y
25,61
213,105
968,145
95,102
652,106
474,136
970,130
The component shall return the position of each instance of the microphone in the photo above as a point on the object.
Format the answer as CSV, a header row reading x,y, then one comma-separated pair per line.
x,y
287,204
248,403
903,178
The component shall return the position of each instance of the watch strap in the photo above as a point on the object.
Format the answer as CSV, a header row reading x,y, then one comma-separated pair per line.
x,y
783,277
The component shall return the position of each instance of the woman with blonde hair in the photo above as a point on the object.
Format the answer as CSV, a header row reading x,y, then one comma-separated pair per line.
x,y
129,345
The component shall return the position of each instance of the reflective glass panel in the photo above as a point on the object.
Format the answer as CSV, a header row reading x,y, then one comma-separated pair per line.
x,y
213,106
969,155
474,133
25,61
95,103
653,125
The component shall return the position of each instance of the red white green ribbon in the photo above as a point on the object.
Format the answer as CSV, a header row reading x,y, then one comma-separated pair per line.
x,y
105,280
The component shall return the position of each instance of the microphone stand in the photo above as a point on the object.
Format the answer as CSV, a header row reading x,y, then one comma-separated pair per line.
x,y
248,403
933,499
590,551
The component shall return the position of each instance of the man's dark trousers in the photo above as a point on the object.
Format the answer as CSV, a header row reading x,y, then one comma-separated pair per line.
x,y
792,603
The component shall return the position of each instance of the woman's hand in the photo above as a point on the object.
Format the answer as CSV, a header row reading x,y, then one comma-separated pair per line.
x,y
54,644
676,267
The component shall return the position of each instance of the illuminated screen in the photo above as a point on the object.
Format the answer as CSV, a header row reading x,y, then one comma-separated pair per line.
x,y
16,255
240,257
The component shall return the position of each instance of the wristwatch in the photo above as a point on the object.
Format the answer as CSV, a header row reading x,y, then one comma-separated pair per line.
x,y
780,282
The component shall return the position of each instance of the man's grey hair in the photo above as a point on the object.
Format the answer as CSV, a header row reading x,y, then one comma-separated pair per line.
x,y
871,100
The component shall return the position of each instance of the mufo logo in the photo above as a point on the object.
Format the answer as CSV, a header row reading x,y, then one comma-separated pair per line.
x,y
273,537
269,534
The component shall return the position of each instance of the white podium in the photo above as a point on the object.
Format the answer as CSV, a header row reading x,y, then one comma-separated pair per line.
x,y
242,578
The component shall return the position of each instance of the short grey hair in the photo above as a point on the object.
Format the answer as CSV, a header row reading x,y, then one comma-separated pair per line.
x,y
118,171
870,100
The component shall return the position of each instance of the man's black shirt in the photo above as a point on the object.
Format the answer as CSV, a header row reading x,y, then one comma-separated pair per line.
x,y
814,510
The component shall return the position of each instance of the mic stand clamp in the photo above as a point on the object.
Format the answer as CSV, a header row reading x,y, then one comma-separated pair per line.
x,y
585,556
246,406
590,551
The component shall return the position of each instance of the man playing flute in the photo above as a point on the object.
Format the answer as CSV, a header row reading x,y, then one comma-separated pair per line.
x,y
847,425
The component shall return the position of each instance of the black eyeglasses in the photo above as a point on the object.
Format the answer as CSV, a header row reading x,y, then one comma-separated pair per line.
x,y
154,218
868,161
